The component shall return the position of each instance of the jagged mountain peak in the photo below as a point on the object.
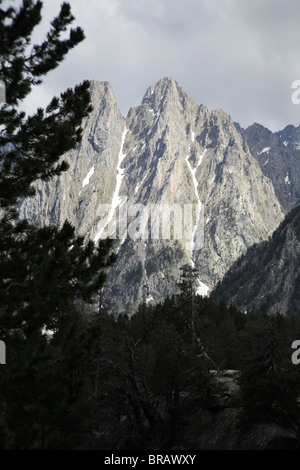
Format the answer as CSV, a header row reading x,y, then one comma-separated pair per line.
x,y
168,151
166,94
162,87
165,104
257,130
290,137
100,88
289,128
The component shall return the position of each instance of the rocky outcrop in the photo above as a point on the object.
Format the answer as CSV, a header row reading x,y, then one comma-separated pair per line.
x,y
170,153
222,427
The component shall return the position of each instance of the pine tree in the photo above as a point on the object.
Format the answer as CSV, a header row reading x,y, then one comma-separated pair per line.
x,y
187,286
45,273
269,382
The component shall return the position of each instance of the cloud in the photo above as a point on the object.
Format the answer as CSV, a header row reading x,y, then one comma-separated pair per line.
x,y
233,54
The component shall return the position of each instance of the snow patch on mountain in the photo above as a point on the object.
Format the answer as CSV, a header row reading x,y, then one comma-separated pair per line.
x,y
202,289
265,150
195,182
116,198
287,179
88,176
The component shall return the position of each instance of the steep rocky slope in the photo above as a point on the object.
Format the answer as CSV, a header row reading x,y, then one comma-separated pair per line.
x,y
267,277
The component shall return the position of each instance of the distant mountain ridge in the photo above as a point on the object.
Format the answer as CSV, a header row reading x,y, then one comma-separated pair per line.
x,y
167,151
278,155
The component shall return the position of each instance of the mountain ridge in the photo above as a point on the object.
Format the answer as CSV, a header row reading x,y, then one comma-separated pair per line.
x,y
278,155
167,151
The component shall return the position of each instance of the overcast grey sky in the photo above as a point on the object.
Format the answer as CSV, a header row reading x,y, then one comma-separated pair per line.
x,y
239,55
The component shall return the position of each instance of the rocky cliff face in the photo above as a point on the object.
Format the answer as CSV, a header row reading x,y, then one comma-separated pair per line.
x,y
278,155
91,178
267,278
168,154
290,136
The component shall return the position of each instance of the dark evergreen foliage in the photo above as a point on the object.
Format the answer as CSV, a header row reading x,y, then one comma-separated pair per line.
x,y
45,273
270,383
153,382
